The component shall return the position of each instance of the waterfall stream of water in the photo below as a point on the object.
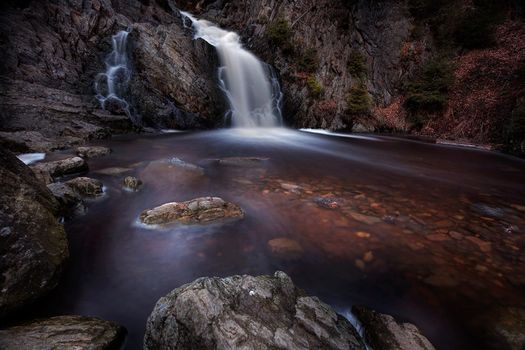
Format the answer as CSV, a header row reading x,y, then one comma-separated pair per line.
x,y
251,86
111,85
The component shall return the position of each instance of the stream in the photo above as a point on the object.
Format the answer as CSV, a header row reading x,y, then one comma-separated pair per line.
x,y
431,234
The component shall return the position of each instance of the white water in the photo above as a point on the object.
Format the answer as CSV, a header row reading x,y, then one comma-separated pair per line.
x,y
250,85
112,84
30,158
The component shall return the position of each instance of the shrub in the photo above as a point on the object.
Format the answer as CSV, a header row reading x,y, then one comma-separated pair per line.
x,y
308,61
314,87
430,92
358,101
357,65
279,32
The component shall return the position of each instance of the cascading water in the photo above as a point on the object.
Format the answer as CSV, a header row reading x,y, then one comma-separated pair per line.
x,y
251,86
111,85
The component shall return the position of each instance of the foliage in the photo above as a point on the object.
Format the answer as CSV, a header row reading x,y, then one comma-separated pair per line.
x,y
358,101
357,65
279,32
315,88
430,92
308,61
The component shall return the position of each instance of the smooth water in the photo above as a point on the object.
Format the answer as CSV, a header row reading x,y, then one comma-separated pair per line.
x,y
431,234
252,90
111,86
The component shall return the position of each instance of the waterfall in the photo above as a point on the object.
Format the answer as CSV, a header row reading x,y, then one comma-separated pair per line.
x,y
251,86
111,85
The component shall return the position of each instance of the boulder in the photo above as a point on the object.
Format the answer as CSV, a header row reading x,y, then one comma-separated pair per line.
x,y
132,183
48,171
63,332
93,151
199,210
386,333
246,312
86,186
65,195
33,245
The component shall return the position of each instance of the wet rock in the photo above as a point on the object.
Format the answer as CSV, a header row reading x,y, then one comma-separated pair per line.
x,y
291,187
327,202
65,195
63,332
386,333
86,186
28,141
199,210
132,183
362,234
93,151
49,171
113,171
33,245
264,312
285,248
502,328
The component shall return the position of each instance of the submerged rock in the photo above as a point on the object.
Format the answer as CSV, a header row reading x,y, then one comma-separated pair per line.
x,y
502,328
386,333
63,332
199,210
132,183
48,171
285,248
246,312
33,245
93,151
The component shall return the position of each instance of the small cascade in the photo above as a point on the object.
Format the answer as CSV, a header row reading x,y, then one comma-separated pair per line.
x,y
112,85
251,86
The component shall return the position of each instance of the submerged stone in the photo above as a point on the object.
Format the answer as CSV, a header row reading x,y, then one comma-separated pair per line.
x,y
199,210
246,312
285,248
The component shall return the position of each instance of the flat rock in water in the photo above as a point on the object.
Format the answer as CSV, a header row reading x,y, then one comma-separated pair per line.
x,y
86,186
48,171
63,332
113,171
246,312
93,151
199,210
33,244
386,333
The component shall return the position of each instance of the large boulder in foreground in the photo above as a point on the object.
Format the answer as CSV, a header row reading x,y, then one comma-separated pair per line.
x,y
386,333
246,312
33,245
199,210
63,332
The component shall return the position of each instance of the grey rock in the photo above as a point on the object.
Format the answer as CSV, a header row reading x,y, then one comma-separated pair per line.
x,y
33,245
246,312
132,183
199,210
386,333
65,195
63,332
49,171
93,151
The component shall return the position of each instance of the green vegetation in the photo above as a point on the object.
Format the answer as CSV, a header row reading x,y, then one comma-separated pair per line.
x,y
308,61
358,101
315,88
430,92
357,65
279,33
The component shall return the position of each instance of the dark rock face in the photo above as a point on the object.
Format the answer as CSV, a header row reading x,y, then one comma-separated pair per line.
x,y
199,210
33,245
385,333
51,52
63,332
264,312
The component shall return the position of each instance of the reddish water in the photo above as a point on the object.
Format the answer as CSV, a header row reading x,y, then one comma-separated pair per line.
x,y
431,234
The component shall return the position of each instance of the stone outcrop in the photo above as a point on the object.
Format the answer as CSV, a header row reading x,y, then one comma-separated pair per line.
x,y
33,245
199,210
49,171
63,332
264,312
386,333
